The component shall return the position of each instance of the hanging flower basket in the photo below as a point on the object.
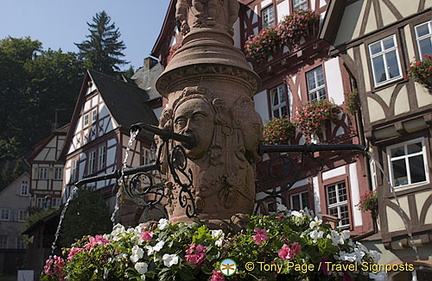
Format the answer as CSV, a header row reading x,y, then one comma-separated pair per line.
x,y
180,251
311,116
352,102
421,71
368,201
259,47
299,24
278,131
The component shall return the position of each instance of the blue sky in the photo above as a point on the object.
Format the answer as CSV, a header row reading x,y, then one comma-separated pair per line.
x,y
60,23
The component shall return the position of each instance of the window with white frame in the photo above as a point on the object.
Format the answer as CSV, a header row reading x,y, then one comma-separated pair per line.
x,y
24,188
102,157
316,84
268,17
5,215
337,203
86,119
58,173
41,203
75,170
22,215
43,173
94,115
278,101
91,162
56,202
4,241
408,163
423,34
385,60
300,4
299,201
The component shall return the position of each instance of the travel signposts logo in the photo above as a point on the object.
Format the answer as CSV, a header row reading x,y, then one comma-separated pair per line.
x,y
228,267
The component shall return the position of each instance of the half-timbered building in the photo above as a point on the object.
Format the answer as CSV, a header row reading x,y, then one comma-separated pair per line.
x,y
46,172
377,40
292,76
99,134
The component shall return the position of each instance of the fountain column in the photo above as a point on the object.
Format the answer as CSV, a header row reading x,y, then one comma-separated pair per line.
x,y
209,87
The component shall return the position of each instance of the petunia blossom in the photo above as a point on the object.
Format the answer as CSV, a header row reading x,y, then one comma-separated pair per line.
x,y
260,236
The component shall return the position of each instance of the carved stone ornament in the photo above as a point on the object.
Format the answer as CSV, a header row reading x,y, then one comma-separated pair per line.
x,y
221,163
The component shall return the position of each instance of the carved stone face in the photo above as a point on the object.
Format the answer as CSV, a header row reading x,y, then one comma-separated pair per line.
x,y
195,117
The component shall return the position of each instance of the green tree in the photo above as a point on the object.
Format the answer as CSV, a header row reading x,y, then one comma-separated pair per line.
x,y
34,84
102,51
87,214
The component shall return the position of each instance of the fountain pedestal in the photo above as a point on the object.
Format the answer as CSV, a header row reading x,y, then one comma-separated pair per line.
x,y
209,84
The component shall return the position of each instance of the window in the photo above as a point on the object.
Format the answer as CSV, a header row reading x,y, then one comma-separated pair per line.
x,y
423,34
56,202
41,203
91,162
4,215
22,215
268,17
300,201
24,188
75,170
337,203
300,4
4,242
58,173
407,162
316,84
278,101
102,157
94,115
385,60
147,156
86,120
43,173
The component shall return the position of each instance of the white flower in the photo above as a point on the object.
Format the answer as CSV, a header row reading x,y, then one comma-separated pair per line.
x,y
137,253
170,260
218,233
280,207
141,267
380,276
375,255
156,248
315,234
163,223
337,238
118,232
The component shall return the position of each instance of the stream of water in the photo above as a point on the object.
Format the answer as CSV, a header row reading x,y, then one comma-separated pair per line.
x,y
133,135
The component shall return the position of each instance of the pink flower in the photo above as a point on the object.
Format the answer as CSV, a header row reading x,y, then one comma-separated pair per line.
x,y
55,267
261,235
285,252
195,254
296,248
73,252
146,235
93,241
217,276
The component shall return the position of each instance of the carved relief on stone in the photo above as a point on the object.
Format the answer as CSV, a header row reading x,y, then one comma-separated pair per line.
x,y
205,13
221,162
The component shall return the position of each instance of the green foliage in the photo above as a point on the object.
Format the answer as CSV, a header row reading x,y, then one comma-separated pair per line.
x,y
34,84
352,102
87,214
102,51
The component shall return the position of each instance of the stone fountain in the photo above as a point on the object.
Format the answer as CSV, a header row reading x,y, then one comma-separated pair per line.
x,y
209,84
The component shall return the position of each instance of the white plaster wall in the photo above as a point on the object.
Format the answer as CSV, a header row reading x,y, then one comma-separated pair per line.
x,y
339,171
317,199
261,105
282,10
355,194
334,81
